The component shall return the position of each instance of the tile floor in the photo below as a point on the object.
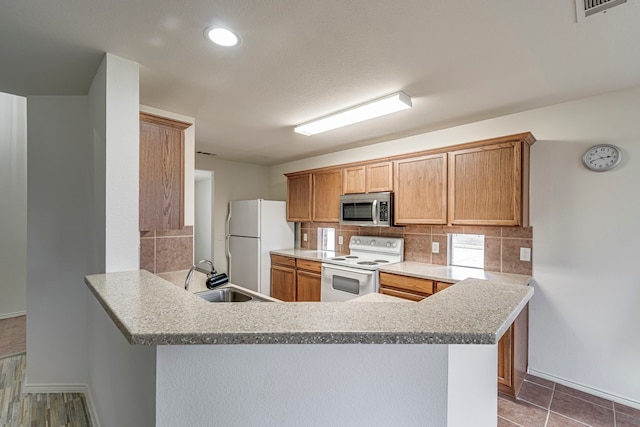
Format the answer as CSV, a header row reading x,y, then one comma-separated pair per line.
x,y
544,403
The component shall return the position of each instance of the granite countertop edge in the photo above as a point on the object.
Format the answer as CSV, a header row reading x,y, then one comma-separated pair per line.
x,y
149,310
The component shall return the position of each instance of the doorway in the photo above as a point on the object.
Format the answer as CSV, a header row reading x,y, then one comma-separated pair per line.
x,y
203,215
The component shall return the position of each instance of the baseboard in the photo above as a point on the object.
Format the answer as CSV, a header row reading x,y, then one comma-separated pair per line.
x,y
67,388
586,389
10,315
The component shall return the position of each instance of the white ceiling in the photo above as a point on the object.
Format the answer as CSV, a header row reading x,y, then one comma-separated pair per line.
x,y
460,61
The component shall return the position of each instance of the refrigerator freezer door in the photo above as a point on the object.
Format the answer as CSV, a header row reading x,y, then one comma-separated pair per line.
x,y
244,262
244,218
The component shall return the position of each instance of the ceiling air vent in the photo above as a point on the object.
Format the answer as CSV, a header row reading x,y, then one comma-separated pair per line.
x,y
586,8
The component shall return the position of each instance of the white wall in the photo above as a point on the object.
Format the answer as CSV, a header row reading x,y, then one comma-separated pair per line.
x,y
584,314
13,208
121,377
203,216
233,181
59,238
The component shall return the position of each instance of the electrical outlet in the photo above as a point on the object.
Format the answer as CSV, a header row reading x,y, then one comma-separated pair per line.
x,y
304,237
435,247
339,240
525,254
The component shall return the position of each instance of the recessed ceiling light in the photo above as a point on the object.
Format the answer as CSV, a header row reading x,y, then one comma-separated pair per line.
x,y
222,36
369,110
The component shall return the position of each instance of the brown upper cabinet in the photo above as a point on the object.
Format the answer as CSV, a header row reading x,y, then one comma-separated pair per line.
x,y
161,173
299,197
369,178
327,188
421,190
489,184
477,183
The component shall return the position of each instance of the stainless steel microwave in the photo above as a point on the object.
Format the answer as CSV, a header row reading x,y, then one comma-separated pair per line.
x,y
371,209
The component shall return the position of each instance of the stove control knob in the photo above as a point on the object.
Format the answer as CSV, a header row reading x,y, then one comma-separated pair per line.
x,y
388,244
395,245
357,241
373,243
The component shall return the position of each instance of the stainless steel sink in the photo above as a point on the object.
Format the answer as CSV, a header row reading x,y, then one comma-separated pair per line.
x,y
231,294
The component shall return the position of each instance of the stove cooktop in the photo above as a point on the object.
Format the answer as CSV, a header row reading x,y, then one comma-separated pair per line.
x,y
370,252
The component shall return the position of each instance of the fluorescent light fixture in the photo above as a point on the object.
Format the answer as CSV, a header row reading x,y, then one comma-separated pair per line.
x,y
222,36
369,110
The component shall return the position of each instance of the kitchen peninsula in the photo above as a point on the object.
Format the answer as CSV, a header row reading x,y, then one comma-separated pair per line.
x,y
442,367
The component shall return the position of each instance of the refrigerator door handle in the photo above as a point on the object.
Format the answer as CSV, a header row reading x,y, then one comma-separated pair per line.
x,y
229,222
228,248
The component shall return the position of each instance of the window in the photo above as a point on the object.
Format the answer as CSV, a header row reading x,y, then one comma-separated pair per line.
x,y
466,250
327,239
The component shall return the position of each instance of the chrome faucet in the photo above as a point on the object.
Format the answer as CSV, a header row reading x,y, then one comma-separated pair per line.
x,y
192,269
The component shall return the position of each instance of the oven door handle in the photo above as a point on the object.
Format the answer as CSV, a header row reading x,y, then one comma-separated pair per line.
x,y
349,269
374,212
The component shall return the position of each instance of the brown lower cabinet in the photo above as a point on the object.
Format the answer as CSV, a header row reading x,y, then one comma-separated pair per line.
x,y
512,347
295,279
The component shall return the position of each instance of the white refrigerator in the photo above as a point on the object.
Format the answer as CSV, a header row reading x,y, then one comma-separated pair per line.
x,y
254,228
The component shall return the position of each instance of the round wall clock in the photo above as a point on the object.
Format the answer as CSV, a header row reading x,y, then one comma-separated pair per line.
x,y
602,157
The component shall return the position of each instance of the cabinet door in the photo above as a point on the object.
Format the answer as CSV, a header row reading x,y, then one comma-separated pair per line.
x,y
485,185
327,188
307,286
283,283
161,173
504,359
442,285
354,179
421,190
400,294
299,198
379,177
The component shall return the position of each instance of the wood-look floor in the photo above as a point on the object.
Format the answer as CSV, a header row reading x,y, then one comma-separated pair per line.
x,y
31,410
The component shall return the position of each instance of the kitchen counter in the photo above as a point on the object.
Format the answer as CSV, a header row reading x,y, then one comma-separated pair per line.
x,y
149,310
308,254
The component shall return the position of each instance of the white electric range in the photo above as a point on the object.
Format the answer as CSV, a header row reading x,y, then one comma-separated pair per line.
x,y
356,274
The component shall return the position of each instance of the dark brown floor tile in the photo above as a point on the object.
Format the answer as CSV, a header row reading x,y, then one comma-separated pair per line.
x,y
585,396
581,410
556,420
505,423
624,420
521,413
540,381
536,394
622,409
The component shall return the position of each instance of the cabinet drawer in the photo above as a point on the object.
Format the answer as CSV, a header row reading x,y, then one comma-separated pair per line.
x,y
304,264
400,294
411,284
283,260
442,285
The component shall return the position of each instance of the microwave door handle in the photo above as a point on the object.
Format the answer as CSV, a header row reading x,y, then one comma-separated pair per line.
x,y
374,212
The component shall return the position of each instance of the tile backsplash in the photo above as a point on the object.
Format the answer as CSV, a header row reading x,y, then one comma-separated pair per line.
x,y
168,250
501,244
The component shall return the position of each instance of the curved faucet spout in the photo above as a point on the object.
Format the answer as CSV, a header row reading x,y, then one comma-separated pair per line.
x,y
193,268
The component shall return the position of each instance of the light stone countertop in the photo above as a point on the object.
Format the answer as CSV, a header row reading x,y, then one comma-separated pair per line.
x,y
308,254
149,310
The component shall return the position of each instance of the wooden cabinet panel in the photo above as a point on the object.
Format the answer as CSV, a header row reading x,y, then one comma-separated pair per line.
x,y
313,266
283,283
354,180
283,260
400,294
421,287
513,355
308,286
161,173
442,285
379,177
485,185
299,197
327,188
421,190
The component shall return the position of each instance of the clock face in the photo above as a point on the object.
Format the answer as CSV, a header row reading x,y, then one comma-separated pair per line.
x,y
602,157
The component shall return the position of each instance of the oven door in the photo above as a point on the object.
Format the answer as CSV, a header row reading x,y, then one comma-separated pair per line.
x,y
341,283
